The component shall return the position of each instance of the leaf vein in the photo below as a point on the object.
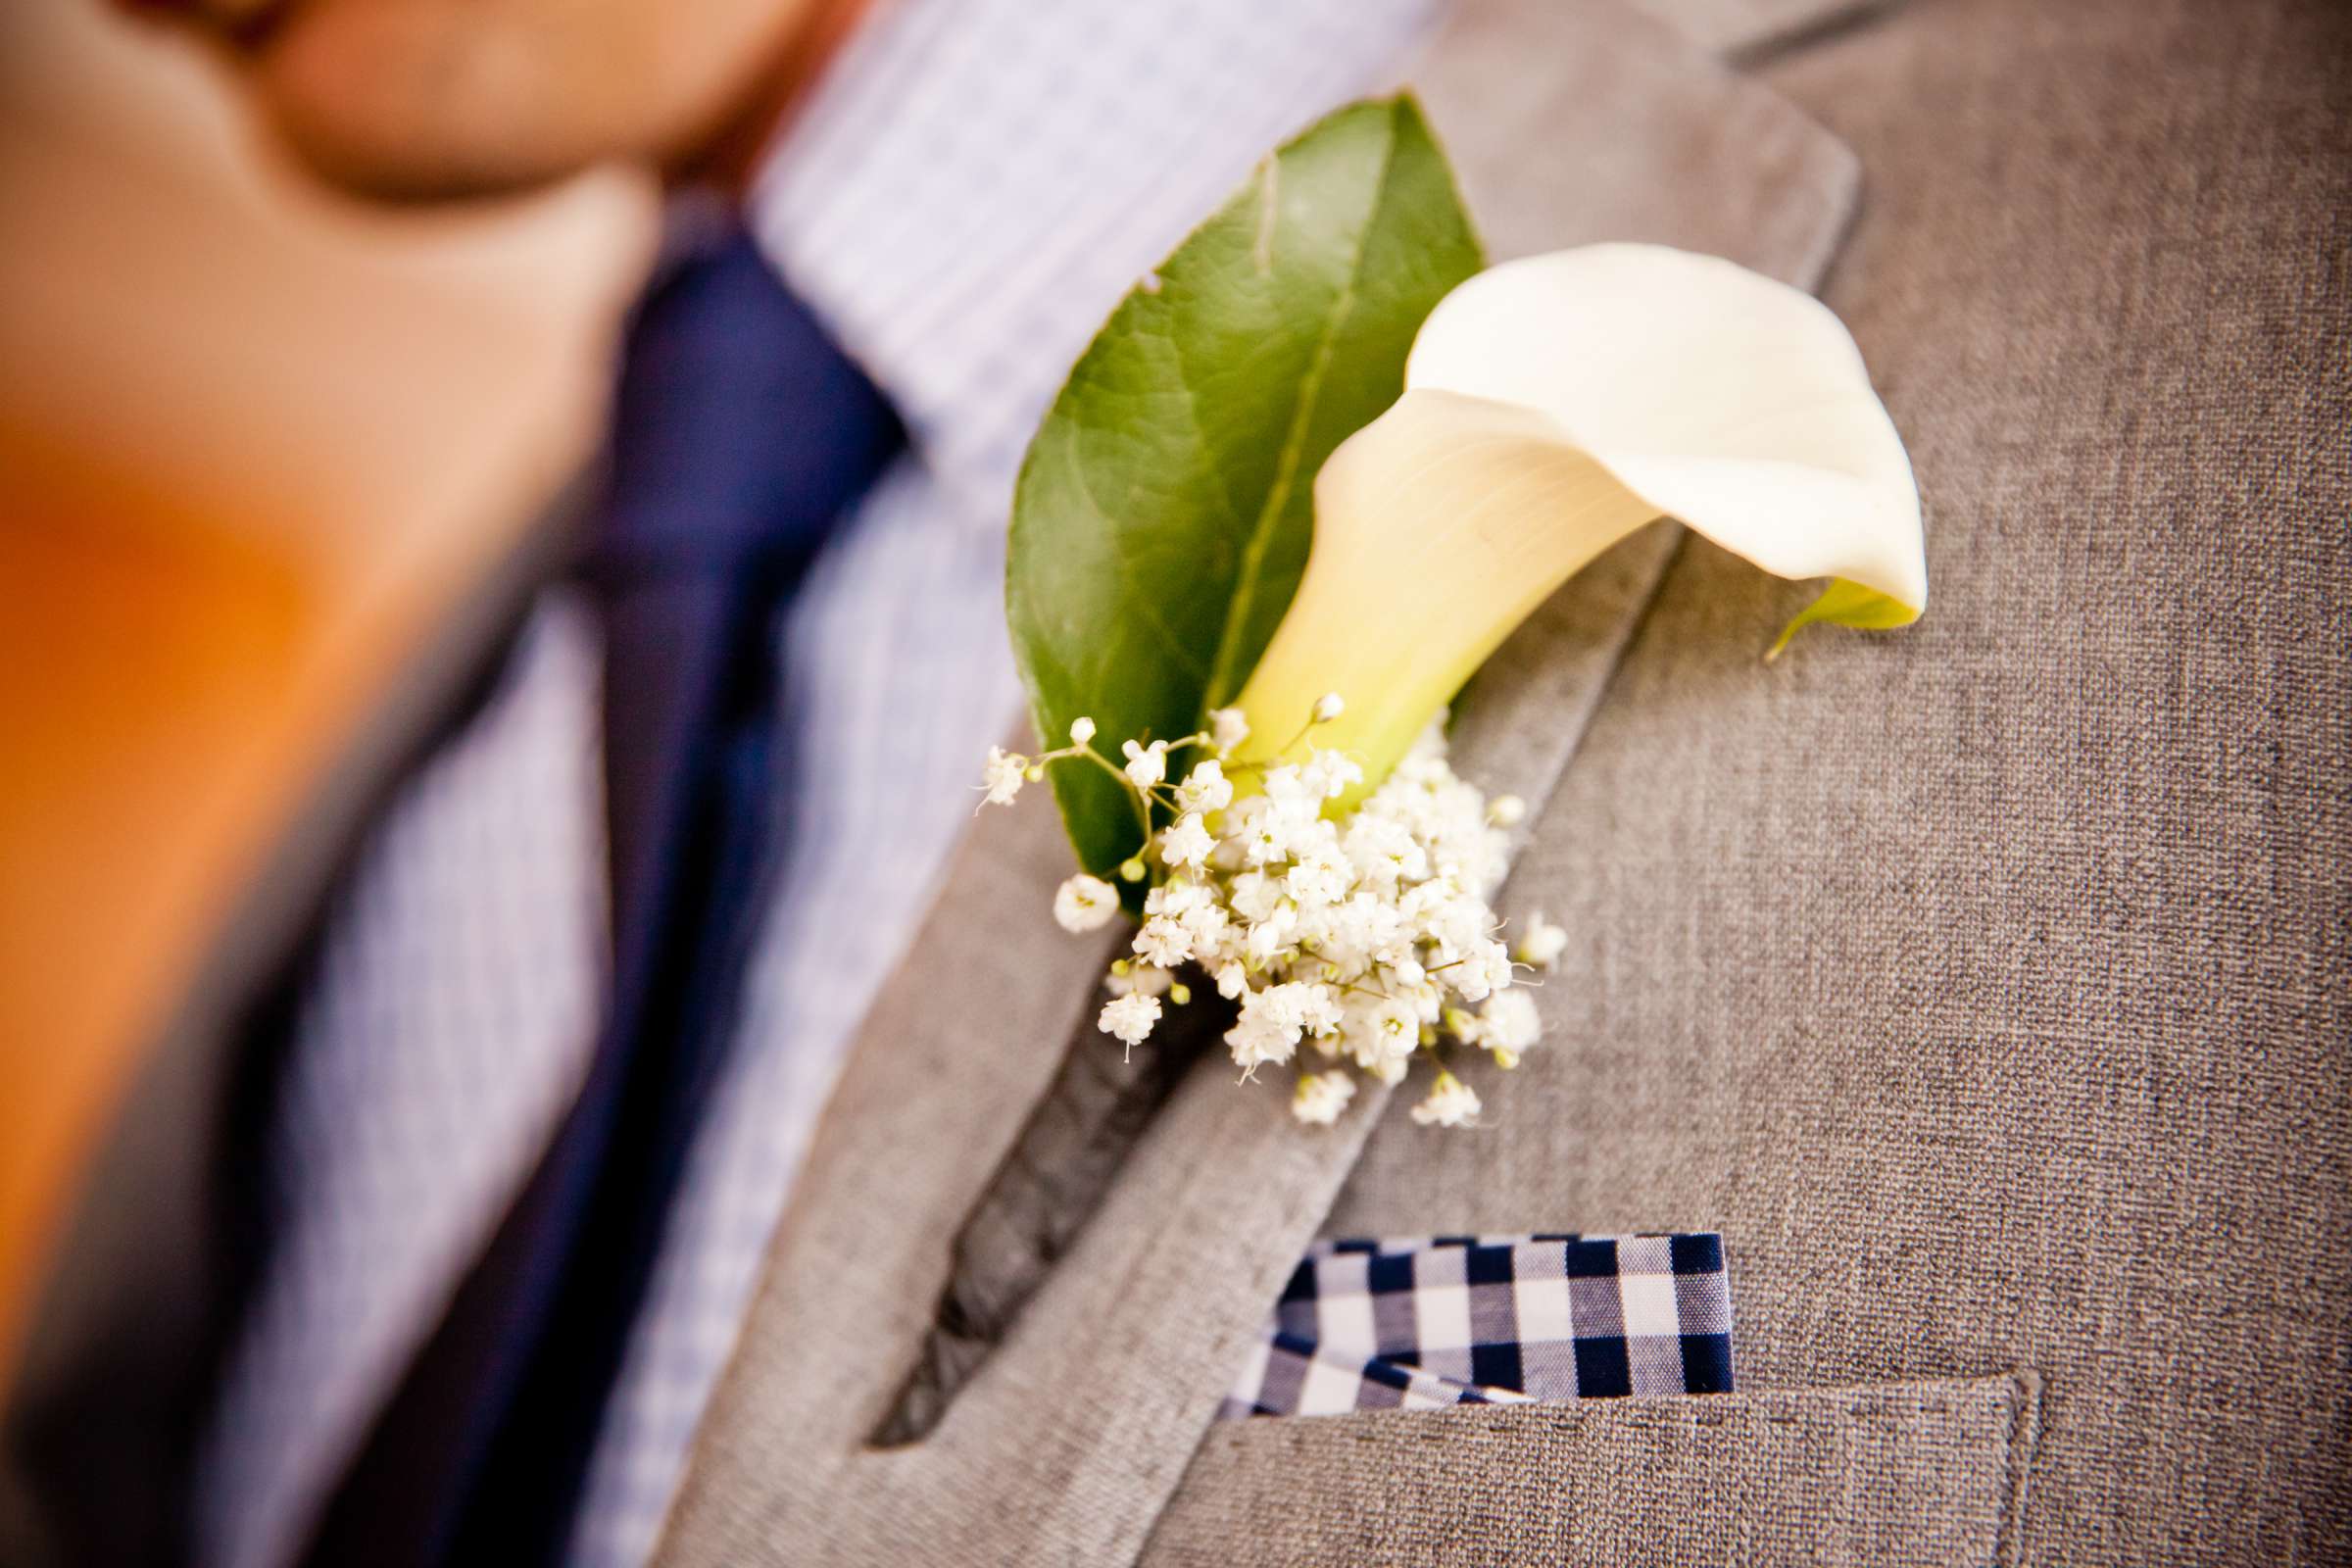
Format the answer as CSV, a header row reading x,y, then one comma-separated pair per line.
x,y
1223,679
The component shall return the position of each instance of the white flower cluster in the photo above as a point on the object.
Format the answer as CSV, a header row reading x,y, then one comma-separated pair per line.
x,y
1362,935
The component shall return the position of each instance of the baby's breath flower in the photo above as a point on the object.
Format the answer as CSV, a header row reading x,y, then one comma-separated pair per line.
x,y
1452,1102
1293,795
1319,879
1366,934
1542,943
1192,906
1267,834
1319,1011
1332,774
1130,1018
1384,849
1290,1005
1082,731
1212,932
1270,938
1204,789
1507,811
1259,1038
1425,1000
1002,775
1455,923
1508,1022
1163,941
1321,1095
1137,979
1483,970
1084,904
1187,843
1329,707
1146,765
1387,1031
1255,895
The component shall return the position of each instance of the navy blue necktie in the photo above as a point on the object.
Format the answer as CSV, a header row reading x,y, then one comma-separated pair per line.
x,y
740,436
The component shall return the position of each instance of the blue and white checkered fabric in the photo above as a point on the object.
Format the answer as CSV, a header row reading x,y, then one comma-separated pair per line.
x,y
1419,1323
963,201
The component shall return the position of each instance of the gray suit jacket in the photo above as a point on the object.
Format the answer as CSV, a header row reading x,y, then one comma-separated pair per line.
x,y
1984,984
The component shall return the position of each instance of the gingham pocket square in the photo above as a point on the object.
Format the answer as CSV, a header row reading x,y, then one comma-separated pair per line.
x,y
1422,1322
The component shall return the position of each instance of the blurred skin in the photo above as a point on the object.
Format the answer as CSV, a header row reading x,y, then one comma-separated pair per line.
x,y
438,98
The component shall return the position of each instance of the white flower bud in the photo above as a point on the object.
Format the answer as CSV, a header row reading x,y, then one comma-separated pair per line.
x,y
1329,707
1082,731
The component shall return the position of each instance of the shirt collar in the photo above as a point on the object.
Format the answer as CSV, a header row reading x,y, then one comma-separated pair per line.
x,y
977,183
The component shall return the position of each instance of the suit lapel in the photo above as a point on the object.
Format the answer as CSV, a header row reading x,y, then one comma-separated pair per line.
x,y
1566,124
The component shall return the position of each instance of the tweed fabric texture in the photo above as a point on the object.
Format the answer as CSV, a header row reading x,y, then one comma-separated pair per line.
x,y
1904,1473
2010,949
1419,1323
1159,1296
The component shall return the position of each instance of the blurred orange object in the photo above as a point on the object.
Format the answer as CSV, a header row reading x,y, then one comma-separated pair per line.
x,y
256,443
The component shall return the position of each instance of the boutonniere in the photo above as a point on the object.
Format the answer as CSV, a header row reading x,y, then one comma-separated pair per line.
x,y
1309,476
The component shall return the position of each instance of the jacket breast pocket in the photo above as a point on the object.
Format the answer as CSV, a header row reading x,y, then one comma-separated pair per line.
x,y
1926,1471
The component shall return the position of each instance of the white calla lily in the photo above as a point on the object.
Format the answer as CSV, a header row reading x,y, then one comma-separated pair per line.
x,y
1554,405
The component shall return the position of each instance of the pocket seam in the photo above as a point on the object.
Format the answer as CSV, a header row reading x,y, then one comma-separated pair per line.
x,y
2025,1437
1891,1400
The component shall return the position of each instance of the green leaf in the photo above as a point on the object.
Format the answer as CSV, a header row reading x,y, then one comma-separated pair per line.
x,y
1166,508
1847,603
